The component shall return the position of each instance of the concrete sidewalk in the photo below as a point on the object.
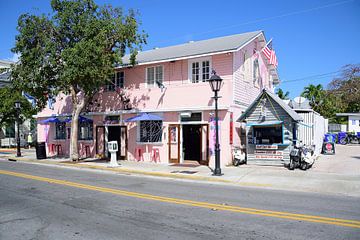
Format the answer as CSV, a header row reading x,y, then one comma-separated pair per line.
x,y
344,182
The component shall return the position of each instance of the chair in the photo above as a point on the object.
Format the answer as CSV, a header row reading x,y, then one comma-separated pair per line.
x,y
59,149
86,151
51,148
139,154
155,155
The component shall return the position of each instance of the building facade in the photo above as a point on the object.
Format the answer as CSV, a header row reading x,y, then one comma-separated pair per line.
x,y
171,83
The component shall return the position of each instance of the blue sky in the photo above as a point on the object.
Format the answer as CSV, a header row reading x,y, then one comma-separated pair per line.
x,y
311,37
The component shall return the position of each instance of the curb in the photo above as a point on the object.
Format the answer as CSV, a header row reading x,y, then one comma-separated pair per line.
x,y
138,172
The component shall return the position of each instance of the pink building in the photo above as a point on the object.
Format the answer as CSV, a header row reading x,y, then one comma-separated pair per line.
x,y
170,82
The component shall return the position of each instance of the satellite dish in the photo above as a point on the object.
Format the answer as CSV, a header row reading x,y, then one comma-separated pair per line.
x,y
299,100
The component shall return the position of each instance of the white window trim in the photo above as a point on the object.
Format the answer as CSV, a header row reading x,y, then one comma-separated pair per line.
x,y
146,75
190,62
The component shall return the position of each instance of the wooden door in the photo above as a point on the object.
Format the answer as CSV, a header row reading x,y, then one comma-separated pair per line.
x,y
174,143
123,144
100,140
204,143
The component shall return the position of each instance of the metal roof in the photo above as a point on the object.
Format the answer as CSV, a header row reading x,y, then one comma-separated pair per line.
x,y
347,114
194,49
287,108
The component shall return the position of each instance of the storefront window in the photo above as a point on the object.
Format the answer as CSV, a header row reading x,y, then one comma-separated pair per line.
x,y
150,131
60,130
10,131
85,131
268,134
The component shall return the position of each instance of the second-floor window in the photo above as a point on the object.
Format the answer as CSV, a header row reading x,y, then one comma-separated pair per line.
x,y
153,75
200,70
117,81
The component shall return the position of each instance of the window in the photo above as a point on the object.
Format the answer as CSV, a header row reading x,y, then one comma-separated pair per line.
x,y
199,71
60,130
268,135
117,81
85,130
10,131
150,131
154,74
256,73
244,60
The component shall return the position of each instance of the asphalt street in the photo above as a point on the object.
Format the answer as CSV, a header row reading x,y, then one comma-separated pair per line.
x,y
47,202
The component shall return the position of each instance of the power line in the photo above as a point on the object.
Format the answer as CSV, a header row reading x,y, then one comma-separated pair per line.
x,y
317,76
263,19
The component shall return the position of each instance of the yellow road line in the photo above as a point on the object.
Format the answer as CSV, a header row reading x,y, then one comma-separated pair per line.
x,y
253,211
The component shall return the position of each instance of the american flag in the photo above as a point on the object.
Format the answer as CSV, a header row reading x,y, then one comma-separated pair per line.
x,y
269,53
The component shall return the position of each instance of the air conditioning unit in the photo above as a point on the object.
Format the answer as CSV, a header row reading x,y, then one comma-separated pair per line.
x,y
185,114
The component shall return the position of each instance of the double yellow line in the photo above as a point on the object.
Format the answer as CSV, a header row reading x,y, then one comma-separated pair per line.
x,y
253,211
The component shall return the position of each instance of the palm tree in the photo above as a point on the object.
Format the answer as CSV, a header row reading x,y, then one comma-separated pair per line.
x,y
282,95
315,95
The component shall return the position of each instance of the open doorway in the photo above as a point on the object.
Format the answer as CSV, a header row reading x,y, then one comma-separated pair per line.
x,y
119,134
192,142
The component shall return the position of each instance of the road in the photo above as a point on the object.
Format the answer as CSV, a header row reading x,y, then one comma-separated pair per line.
x,y
46,202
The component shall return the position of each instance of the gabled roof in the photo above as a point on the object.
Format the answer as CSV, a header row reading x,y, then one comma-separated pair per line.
x,y
278,100
194,49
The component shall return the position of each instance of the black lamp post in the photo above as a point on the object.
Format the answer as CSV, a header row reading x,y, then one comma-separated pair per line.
x,y
215,84
17,108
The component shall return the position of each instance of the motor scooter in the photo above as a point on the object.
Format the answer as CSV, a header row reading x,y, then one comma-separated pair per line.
x,y
238,156
301,157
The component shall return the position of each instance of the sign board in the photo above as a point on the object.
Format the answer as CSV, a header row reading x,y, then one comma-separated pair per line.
x,y
266,147
269,152
269,156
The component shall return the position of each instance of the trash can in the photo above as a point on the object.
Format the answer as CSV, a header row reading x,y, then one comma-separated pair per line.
x,y
40,150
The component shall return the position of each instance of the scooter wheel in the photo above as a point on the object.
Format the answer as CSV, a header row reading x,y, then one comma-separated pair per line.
x,y
304,166
291,165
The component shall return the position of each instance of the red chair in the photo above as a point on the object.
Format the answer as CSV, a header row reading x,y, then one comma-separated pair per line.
x,y
155,155
139,154
86,151
59,149
51,148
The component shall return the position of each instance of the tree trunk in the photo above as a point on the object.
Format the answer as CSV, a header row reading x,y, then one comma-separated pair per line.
x,y
78,105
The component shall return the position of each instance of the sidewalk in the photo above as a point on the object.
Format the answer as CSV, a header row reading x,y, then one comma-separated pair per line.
x,y
318,179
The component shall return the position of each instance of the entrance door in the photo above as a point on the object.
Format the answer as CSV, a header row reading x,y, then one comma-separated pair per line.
x,y
100,140
192,142
204,160
119,134
174,143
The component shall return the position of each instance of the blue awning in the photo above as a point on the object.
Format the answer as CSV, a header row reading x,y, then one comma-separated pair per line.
x,y
51,120
144,117
266,123
81,119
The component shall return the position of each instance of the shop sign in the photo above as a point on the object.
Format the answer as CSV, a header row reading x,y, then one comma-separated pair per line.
x,y
266,147
269,152
269,156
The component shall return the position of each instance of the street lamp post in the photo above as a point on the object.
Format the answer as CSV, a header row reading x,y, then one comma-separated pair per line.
x,y
17,107
215,84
